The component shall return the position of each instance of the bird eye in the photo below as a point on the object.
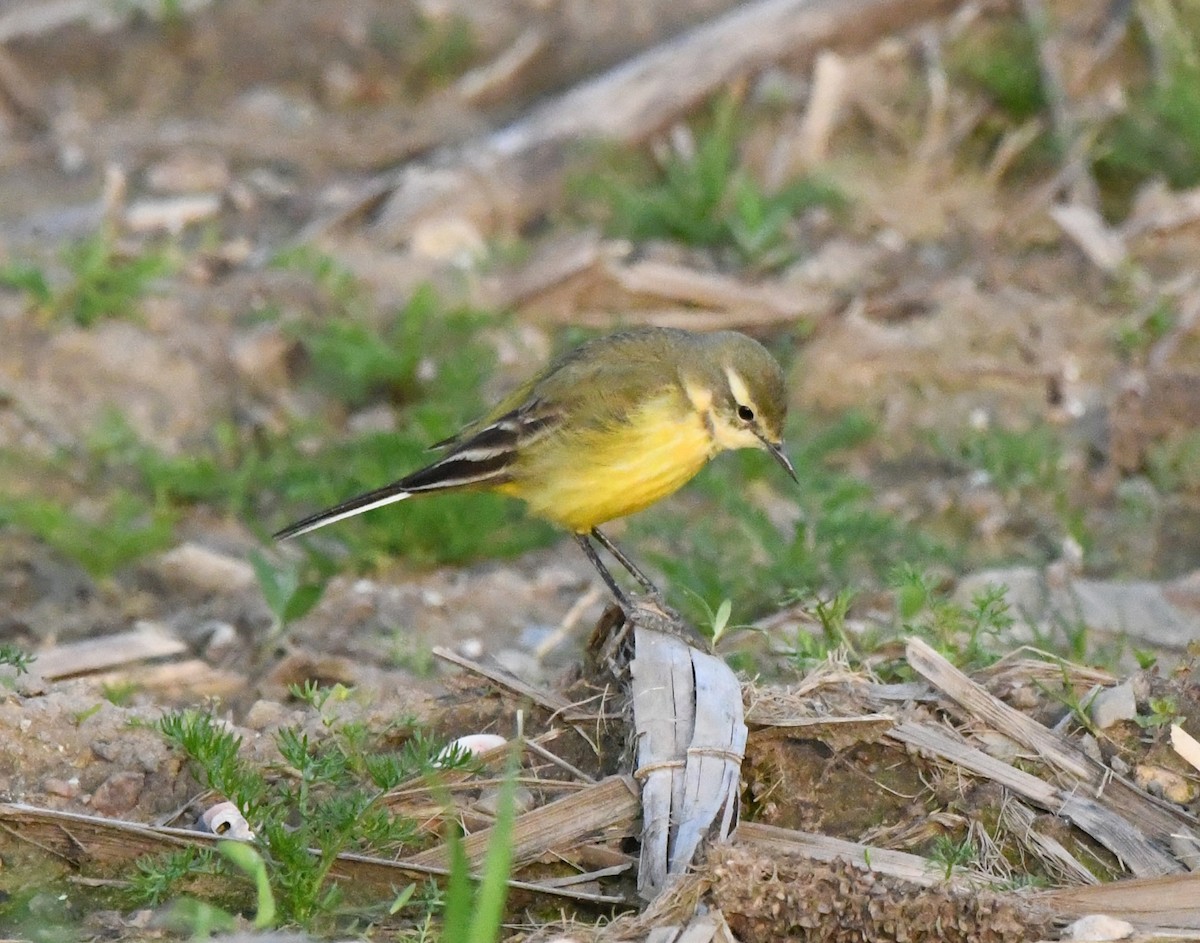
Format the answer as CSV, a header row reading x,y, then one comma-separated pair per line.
x,y
746,414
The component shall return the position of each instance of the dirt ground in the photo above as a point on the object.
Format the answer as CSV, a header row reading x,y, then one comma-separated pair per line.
x,y
1026,349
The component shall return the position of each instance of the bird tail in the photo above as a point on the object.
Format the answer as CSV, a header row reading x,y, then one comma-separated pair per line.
x,y
389,494
463,468
484,458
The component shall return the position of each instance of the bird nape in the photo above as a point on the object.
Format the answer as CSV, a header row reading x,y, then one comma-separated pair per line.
x,y
604,431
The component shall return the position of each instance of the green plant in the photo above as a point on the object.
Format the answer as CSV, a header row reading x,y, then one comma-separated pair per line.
x,y
124,530
289,594
1164,711
1158,134
326,803
13,657
476,918
705,199
1001,59
1080,708
952,855
1136,334
251,863
809,649
959,632
1174,464
105,281
29,279
119,692
446,47
1016,461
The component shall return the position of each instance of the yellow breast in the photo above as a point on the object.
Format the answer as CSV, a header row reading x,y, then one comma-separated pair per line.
x,y
582,480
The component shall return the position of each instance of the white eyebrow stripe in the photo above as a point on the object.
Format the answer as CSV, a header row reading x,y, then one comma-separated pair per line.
x,y
737,386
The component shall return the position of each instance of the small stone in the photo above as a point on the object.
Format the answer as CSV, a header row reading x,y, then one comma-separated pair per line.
x,y
222,638
998,745
119,793
1023,697
474,744
188,173
451,239
263,356
1098,928
489,801
67,788
520,663
205,569
1091,747
1113,705
470,648
1164,783
264,714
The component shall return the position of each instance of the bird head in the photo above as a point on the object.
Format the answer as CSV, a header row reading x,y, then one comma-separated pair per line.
x,y
749,397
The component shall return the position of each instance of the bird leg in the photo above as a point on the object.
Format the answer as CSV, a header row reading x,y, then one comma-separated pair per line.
x,y
620,557
590,552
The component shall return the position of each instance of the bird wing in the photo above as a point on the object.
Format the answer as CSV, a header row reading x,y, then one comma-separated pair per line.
x,y
485,455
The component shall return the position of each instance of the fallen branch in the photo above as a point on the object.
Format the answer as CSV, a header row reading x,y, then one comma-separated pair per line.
x,y
1159,820
511,173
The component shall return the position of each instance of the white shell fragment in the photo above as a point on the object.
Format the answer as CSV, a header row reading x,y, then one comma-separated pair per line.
x,y
474,744
225,820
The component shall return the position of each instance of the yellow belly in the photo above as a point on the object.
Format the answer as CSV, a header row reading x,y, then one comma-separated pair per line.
x,y
582,481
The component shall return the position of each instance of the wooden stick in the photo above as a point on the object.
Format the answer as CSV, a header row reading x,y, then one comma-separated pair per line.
x,y
1159,820
771,839
97,840
1114,832
510,173
611,804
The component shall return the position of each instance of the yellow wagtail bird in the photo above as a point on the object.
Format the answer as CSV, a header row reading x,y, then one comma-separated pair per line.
x,y
606,430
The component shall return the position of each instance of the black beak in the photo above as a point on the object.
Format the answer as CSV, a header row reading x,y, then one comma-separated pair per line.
x,y
776,450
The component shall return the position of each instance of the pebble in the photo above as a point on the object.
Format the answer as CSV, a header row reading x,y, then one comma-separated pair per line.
x,y
489,801
264,714
1113,705
205,569
66,788
471,648
1164,783
1098,928
188,173
119,793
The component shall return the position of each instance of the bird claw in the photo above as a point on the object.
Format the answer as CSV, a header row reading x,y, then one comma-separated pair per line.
x,y
649,610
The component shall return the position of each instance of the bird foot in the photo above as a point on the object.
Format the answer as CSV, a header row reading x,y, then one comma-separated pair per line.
x,y
649,610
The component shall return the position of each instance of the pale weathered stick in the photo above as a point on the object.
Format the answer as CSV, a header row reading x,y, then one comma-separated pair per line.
x,y
509,173
714,759
1115,833
147,640
610,806
1148,902
79,838
1020,819
1157,819
771,839
555,703
663,713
